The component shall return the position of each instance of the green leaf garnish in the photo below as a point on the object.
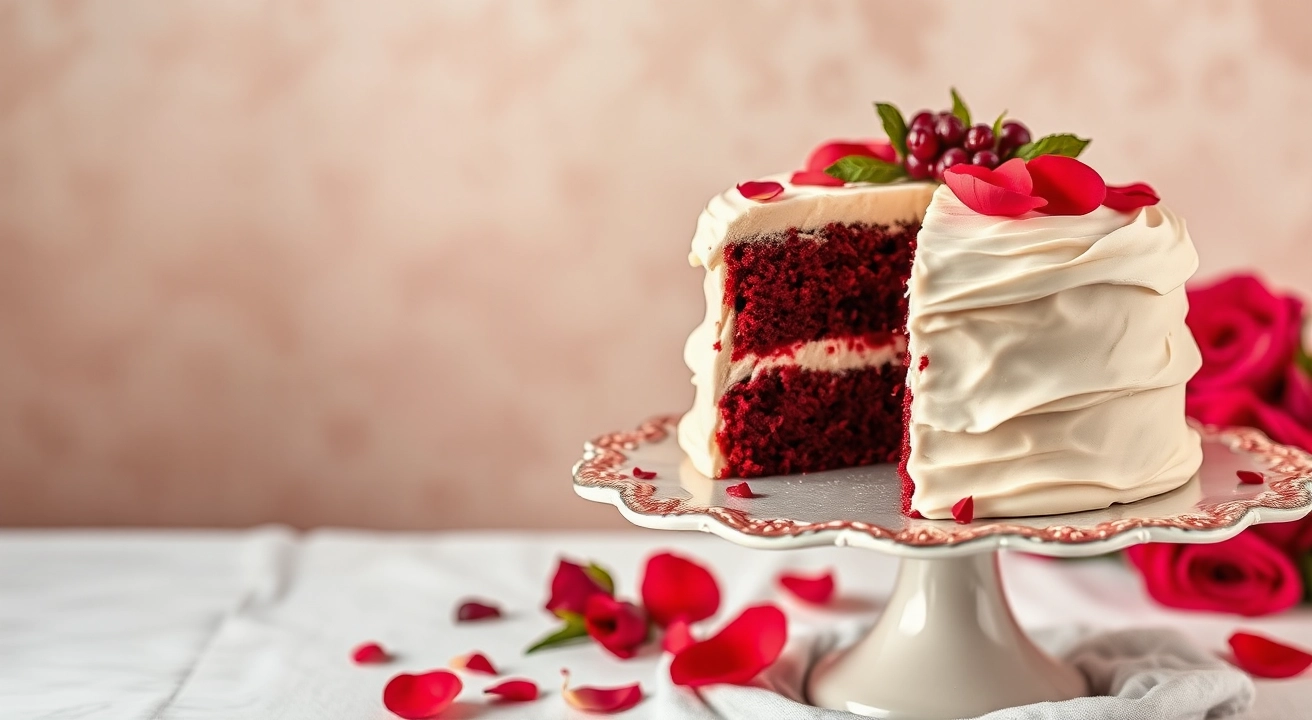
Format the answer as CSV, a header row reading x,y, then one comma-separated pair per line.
x,y
959,108
1303,360
997,126
1064,144
601,577
573,629
894,126
858,168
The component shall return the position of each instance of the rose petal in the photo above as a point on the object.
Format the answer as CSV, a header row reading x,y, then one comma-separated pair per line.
x,y
814,177
1015,176
470,611
834,150
601,700
474,662
514,690
370,653
643,474
760,190
1069,186
817,589
749,644
915,515
985,192
678,636
675,587
964,511
1249,477
571,587
741,490
416,697
1125,198
619,627
1264,657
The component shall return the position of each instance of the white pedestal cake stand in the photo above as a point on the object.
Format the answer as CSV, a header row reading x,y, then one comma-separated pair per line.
x,y
946,645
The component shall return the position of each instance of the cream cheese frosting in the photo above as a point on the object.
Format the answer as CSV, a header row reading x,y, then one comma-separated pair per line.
x,y
1057,357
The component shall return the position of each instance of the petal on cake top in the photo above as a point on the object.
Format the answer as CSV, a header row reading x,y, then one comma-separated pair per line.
x,y
1130,197
760,190
991,192
1069,186
830,152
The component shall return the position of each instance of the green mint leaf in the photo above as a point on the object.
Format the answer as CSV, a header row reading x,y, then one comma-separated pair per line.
x,y
1064,144
997,126
573,629
959,108
858,168
601,577
894,126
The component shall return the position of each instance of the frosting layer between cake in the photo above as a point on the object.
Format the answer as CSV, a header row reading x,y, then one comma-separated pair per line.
x,y
1057,357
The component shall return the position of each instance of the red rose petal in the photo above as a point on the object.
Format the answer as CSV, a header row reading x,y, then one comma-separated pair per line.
x,y
964,511
474,662
514,690
675,587
988,192
416,697
915,515
370,653
470,611
1069,186
601,700
814,177
1130,197
571,587
643,474
619,627
678,636
834,150
818,589
760,190
741,490
1014,176
742,649
1266,658
1249,477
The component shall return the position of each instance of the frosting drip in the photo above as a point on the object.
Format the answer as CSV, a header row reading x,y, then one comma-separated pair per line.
x,y
1057,355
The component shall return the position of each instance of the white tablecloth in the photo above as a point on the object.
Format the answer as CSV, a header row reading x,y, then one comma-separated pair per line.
x,y
258,625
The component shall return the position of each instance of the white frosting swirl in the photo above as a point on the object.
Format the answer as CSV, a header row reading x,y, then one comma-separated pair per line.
x,y
1057,356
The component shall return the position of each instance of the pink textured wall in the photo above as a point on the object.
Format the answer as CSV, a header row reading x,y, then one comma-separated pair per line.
x,y
389,264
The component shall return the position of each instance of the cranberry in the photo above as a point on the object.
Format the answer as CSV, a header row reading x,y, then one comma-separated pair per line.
x,y
922,143
923,119
985,158
979,137
919,169
1012,135
953,156
950,130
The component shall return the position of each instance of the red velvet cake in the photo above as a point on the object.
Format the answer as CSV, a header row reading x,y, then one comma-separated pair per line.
x,y
1013,338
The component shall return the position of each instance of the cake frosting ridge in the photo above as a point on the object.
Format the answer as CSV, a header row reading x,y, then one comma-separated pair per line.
x,y
1050,339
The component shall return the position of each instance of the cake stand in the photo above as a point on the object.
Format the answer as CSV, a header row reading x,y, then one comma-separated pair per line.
x,y
947,644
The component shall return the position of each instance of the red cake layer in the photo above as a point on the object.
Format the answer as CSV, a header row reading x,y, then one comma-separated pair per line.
x,y
789,420
852,282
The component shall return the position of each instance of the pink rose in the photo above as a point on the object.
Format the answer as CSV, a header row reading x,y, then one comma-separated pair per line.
x,y
1247,335
1241,406
1243,575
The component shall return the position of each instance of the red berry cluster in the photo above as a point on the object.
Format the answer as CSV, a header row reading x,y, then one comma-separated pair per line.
x,y
936,142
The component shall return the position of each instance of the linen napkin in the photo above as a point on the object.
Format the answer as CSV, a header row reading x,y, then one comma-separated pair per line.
x,y
1142,674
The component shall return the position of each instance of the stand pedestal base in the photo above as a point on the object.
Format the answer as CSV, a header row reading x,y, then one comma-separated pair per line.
x,y
947,646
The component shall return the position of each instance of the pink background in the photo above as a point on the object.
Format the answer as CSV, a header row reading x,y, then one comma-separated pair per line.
x,y
390,264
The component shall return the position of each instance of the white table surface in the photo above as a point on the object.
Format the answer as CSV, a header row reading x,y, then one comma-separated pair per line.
x,y
168,625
